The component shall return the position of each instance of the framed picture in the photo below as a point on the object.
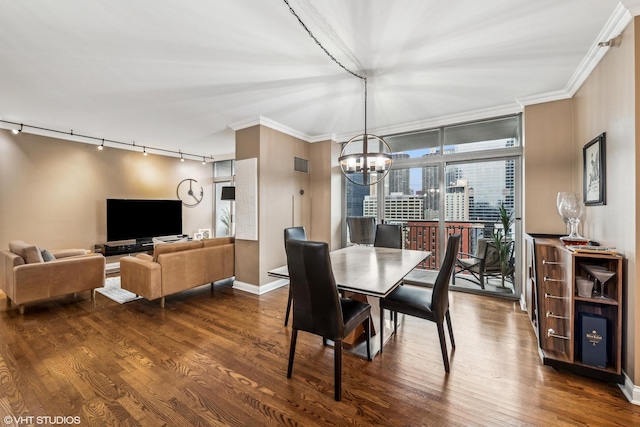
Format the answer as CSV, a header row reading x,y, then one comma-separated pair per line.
x,y
594,178
206,233
197,236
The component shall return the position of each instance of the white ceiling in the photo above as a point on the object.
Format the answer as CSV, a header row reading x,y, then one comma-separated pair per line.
x,y
180,75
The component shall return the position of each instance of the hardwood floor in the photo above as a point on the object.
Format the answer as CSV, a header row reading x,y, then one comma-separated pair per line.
x,y
222,360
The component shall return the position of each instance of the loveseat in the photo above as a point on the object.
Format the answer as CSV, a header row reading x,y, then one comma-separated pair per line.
x,y
27,276
176,267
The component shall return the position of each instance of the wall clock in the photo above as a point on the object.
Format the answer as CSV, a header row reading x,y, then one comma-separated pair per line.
x,y
189,192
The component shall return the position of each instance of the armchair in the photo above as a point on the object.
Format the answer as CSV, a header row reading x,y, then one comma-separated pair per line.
x,y
484,263
26,277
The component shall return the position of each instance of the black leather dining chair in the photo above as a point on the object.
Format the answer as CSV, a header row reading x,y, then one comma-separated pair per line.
x,y
388,236
429,304
317,307
292,233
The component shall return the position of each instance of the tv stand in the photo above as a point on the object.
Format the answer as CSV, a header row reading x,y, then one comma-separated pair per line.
x,y
123,249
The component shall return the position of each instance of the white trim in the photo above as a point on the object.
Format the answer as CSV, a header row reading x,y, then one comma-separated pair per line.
x,y
630,390
112,267
613,28
633,6
260,290
467,116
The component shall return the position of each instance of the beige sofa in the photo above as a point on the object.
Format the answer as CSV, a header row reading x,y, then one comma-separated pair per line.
x,y
175,267
26,277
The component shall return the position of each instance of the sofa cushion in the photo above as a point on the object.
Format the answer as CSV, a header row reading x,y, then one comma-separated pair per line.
x,y
165,248
46,255
30,253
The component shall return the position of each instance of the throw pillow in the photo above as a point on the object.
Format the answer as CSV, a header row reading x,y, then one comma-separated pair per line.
x,y
46,255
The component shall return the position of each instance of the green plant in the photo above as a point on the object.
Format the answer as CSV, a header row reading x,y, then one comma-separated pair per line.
x,y
501,242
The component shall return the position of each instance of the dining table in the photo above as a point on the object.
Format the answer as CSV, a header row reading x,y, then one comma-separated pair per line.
x,y
369,272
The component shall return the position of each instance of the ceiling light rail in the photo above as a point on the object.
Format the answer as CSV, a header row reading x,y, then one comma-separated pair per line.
x,y
145,148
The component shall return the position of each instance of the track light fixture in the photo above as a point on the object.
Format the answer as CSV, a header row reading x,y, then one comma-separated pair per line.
x,y
144,151
16,128
203,161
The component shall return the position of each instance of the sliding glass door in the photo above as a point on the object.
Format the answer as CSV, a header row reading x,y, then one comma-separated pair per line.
x,y
454,180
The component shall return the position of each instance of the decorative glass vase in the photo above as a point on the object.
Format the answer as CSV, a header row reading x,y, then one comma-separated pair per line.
x,y
571,209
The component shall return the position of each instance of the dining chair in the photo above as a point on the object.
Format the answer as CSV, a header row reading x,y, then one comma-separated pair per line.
x,y
388,236
361,229
429,304
317,307
292,233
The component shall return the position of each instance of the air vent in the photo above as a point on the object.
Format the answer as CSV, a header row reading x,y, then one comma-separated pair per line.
x,y
300,165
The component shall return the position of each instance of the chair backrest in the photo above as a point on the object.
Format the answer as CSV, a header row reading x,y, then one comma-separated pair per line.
x,y
388,236
294,233
440,296
316,303
362,229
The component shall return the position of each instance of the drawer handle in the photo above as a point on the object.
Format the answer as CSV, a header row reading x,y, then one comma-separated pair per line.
x,y
555,316
549,279
545,262
549,296
552,334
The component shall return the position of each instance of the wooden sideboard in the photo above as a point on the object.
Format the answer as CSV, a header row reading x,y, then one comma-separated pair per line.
x,y
555,308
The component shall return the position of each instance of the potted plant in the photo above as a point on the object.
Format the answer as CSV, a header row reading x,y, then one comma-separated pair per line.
x,y
504,246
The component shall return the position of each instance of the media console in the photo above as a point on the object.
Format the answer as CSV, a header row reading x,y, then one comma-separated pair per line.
x,y
111,250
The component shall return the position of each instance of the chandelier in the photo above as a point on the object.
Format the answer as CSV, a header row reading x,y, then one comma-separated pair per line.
x,y
366,158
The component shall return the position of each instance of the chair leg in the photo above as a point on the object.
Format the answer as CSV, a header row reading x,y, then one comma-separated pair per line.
x,y
443,346
448,317
395,322
381,329
367,330
286,317
292,351
337,352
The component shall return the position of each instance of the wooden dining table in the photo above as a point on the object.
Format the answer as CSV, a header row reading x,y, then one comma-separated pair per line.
x,y
372,272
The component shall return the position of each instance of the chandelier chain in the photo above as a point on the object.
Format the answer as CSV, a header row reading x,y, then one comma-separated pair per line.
x,y
353,73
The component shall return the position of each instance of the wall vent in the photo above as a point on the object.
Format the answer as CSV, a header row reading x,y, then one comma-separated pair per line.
x,y
300,165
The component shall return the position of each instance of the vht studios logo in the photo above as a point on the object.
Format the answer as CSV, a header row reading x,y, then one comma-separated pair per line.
x,y
594,337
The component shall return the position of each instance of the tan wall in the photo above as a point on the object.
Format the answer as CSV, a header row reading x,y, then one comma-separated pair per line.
x,y
555,134
606,102
53,192
326,193
247,251
548,164
281,204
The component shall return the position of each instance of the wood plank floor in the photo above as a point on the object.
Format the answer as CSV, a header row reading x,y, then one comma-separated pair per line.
x,y
221,359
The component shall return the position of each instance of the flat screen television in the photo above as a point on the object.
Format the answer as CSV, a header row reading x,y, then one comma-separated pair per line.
x,y
142,220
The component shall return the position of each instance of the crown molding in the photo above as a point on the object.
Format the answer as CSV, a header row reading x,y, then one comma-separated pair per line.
x,y
272,124
618,21
467,116
633,6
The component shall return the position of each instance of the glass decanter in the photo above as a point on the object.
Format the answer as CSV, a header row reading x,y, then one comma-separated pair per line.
x,y
571,209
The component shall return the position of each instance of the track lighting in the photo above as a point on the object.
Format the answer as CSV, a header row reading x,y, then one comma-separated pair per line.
x,y
17,128
203,161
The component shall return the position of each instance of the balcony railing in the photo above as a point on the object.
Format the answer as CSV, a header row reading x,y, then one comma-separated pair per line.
x,y
424,236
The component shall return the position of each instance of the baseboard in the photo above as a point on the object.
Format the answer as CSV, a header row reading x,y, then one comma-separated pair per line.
x,y
259,290
112,267
630,390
